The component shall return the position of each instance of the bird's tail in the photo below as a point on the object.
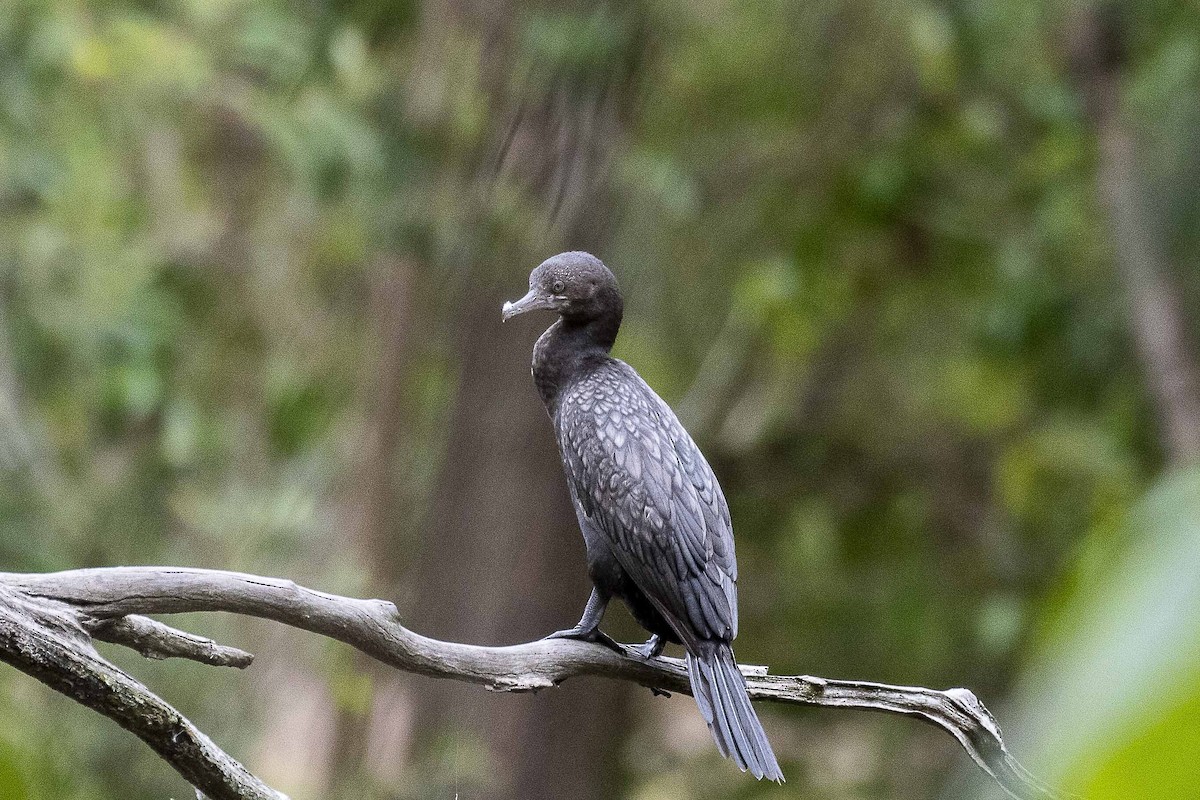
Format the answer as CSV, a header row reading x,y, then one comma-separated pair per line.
x,y
720,691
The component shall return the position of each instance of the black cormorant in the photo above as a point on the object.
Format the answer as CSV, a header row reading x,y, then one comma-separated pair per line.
x,y
654,519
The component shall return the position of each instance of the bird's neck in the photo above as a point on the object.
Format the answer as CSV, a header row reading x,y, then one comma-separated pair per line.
x,y
568,349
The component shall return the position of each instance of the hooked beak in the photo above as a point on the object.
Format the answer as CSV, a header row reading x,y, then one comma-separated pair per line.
x,y
530,302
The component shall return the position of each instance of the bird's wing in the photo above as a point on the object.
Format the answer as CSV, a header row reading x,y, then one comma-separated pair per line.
x,y
637,474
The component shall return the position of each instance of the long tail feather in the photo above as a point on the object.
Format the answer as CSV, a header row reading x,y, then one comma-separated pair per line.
x,y
720,692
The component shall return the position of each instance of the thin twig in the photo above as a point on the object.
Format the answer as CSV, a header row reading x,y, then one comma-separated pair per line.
x,y
155,640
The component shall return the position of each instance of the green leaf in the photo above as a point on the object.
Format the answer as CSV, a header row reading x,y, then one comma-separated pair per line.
x,y
1109,708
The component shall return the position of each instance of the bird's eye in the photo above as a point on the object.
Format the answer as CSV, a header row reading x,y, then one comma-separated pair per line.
x,y
558,287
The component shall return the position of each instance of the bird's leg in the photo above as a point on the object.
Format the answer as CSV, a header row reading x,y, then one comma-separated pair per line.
x,y
652,647
588,627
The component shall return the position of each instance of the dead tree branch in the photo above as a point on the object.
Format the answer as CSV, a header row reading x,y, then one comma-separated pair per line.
x,y
47,641
155,640
105,596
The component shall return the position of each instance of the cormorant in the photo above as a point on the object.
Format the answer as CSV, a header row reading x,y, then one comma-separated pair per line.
x,y
653,517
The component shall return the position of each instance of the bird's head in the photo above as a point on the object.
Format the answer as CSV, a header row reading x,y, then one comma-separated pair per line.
x,y
576,285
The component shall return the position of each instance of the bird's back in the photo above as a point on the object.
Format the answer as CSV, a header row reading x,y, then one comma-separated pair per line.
x,y
638,477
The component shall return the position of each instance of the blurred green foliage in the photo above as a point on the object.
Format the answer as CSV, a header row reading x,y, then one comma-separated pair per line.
x,y
1119,658
864,257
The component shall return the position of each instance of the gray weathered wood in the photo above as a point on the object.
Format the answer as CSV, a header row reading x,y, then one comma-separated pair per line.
x,y
374,627
158,641
45,640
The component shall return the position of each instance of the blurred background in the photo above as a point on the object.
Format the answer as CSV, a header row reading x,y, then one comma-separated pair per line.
x,y
922,279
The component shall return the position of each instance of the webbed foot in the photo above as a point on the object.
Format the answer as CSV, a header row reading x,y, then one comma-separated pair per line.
x,y
652,647
586,635
580,633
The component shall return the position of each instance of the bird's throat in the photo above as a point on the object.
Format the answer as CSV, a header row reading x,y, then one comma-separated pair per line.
x,y
565,351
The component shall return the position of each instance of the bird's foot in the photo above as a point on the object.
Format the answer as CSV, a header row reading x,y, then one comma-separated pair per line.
x,y
586,635
651,647
580,633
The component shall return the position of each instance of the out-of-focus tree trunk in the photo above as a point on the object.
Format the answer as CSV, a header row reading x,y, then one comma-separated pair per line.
x,y
1156,313
14,447
503,562
368,741
396,324
503,558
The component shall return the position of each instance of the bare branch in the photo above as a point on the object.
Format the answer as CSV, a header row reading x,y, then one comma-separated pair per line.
x,y
373,627
155,640
957,711
44,640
